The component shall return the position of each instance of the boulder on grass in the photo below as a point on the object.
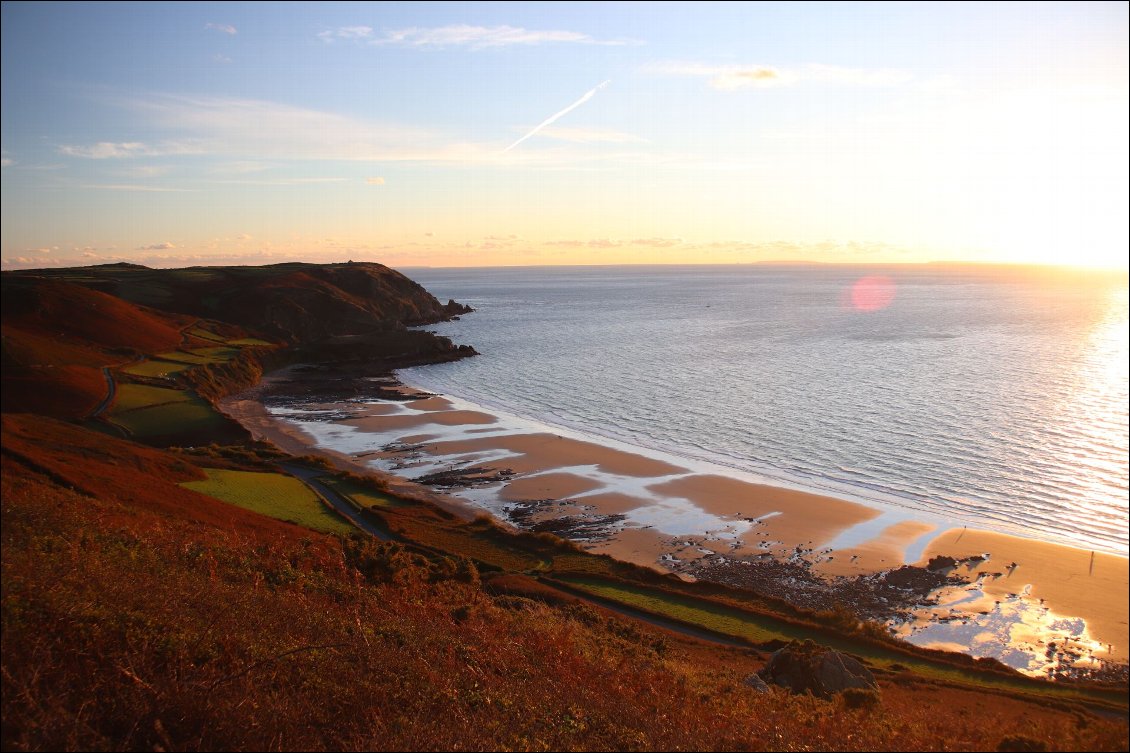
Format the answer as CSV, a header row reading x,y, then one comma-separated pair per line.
x,y
808,668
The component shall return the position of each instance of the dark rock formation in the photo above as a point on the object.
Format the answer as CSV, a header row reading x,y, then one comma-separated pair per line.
x,y
808,668
941,562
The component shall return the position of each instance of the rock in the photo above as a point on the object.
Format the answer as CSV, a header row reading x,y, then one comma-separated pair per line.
x,y
941,562
757,684
808,668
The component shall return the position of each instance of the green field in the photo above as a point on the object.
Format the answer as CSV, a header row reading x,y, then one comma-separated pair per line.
x,y
718,618
134,396
189,416
271,494
204,334
198,356
222,353
362,497
154,368
245,341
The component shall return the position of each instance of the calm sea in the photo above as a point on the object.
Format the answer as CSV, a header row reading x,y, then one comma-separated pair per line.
x,y
988,398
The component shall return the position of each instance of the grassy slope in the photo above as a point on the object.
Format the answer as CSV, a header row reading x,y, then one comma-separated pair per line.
x,y
56,336
271,494
168,633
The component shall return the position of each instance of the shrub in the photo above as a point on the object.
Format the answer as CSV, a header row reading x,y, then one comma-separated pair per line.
x,y
1021,743
860,698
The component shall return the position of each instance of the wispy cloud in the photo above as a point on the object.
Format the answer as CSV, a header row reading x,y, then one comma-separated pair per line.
x,y
757,76
346,32
166,246
281,181
590,135
584,98
242,167
375,181
465,35
132,187
126,149
233,126
144,171
231,129
225,28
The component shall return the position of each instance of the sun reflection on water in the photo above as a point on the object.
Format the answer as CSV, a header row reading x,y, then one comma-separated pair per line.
x,y
1019,631
1099,437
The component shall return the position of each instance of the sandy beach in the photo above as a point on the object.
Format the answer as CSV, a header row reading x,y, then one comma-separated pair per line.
x,y
661,511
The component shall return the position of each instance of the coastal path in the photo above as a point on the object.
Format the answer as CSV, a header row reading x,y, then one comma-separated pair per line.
x,y
333,499
111,392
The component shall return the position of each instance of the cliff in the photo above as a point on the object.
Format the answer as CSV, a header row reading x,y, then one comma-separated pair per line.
x,y
293,303
63,327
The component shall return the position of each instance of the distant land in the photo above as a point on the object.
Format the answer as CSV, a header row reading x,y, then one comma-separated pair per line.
x,y
171,583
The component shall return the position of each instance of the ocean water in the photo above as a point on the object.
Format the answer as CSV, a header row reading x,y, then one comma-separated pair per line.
x,y
985,397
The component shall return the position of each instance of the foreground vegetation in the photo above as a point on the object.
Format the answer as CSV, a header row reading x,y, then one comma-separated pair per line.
x,y
166,634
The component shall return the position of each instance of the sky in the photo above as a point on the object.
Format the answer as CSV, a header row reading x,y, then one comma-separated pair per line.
x,y
480,134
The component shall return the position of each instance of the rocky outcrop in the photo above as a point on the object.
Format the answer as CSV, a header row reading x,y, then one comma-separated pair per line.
x,y
808,668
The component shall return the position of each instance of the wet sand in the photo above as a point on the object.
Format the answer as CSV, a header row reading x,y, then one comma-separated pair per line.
x,y
1062,577
674,511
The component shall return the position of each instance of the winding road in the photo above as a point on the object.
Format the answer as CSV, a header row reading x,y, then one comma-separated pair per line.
x,y
111,391
332,498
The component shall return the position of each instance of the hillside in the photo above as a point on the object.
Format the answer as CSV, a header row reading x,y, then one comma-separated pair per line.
x,y
169,584
294,302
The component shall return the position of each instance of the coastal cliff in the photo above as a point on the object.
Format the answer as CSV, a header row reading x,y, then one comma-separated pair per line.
x,y
296,303
63,327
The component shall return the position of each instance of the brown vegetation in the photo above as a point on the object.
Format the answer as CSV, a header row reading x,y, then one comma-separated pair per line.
x,y
165,634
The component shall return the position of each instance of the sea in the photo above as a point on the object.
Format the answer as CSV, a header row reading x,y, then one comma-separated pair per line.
x,y
993,397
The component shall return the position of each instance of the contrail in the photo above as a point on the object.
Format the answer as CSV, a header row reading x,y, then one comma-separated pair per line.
x,y
587,96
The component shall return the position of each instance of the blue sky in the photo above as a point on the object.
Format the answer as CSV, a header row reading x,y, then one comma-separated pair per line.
x,y
244,133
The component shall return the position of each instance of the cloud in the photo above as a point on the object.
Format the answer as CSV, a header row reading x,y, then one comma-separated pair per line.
x,y
145,171
231,125
6,162
481,37
166,246
128,149
374,181
230,128
760,76
241,167
346,32
281,181
220,57
133,187
225,28
590,135
730,77
658,242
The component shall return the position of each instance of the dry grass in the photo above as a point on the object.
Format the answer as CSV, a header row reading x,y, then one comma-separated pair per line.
x,y
127,629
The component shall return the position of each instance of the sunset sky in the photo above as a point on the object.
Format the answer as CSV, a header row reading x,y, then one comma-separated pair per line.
x,y
522,133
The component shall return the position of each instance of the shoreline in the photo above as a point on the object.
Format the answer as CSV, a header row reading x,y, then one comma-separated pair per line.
x,y
660,513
